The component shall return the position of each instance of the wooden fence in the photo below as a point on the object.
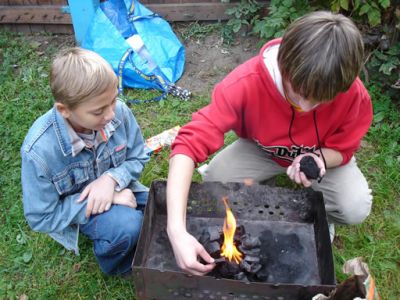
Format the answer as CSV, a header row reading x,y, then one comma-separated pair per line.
x,y
54,16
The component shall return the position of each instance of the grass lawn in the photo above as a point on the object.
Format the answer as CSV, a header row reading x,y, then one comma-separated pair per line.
x,y
33,266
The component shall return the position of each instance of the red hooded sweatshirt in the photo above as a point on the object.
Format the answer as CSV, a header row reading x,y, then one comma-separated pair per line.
x,y
248,102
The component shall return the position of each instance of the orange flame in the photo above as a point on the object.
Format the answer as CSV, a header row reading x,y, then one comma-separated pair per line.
x,y
228,248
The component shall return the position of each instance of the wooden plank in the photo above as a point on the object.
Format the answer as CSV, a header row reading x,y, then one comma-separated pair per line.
x,y
61,2
23,28
30,2
192,11
60,28
8,27
43,14
16,2
44,2
37,28
54,14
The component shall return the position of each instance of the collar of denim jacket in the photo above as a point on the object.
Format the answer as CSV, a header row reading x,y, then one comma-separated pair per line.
x,y
71,143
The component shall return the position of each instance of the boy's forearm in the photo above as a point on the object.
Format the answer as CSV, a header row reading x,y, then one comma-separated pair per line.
x,y
54,217
43,208
179,179
333,158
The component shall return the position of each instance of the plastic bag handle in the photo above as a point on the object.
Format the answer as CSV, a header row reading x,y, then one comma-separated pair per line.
x,y
153,78
135,18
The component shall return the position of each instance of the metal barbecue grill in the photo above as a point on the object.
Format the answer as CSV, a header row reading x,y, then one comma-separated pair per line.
x,y
296,253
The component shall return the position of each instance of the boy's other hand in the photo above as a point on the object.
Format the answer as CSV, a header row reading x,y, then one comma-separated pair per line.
x,y
125,197
294,173
186,249
99,194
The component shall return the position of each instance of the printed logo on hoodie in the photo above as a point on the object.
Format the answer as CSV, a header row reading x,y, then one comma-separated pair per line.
x,y
286,153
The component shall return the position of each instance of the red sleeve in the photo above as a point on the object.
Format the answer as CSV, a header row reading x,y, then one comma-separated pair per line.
x,y
204,135
347,138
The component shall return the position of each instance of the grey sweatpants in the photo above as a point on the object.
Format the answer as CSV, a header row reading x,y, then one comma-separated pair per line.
x,y
346,194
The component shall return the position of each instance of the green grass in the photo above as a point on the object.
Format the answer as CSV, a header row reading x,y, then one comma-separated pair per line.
x,y
32,264
378,238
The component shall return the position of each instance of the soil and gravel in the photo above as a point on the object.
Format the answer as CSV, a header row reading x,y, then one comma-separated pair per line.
x,y
208,60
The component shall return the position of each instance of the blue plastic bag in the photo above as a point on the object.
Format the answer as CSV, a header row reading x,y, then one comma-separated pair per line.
x,y
114,22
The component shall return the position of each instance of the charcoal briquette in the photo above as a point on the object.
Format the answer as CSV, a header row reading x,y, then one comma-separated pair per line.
x,y
309,167
252,259
204,237
249,242
212,248
245,265
240,276
252,252
214,233
219,260
255,268
240,231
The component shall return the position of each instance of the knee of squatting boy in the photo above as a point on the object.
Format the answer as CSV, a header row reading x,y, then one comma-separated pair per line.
x,y
352,208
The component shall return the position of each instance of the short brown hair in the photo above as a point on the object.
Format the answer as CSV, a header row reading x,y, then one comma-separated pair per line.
x,y
78,74
321,54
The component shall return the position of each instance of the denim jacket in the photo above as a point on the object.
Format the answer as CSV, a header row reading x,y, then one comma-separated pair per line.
x,y
53,175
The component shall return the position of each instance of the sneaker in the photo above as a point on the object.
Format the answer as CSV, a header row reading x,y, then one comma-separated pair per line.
x,y
331,231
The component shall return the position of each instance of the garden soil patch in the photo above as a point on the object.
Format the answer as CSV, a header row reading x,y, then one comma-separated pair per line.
x,y
208,60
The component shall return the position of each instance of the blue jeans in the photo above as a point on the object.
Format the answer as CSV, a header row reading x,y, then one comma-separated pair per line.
x,y
114,234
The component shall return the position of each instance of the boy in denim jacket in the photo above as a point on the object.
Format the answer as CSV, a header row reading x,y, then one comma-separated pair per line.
x,y
81,162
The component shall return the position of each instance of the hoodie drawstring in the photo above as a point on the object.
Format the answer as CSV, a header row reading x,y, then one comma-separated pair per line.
x,y
319,142
316,131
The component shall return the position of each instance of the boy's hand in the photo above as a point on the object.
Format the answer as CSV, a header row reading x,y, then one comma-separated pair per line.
x,y
294,173
186,250
125,197
100,194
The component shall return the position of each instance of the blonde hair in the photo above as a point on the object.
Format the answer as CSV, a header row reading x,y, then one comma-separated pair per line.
x,y
78,74
321,54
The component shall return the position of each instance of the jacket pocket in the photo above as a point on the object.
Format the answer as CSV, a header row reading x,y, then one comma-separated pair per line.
x,y
72,179
119,155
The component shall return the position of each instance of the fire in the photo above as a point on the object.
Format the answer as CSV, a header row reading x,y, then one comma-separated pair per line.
x,y
229,249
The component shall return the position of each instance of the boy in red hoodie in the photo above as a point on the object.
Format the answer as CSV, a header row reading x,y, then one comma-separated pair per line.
x,y
301,96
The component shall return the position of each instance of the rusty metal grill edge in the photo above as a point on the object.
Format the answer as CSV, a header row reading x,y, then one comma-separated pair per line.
x,y
156,275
